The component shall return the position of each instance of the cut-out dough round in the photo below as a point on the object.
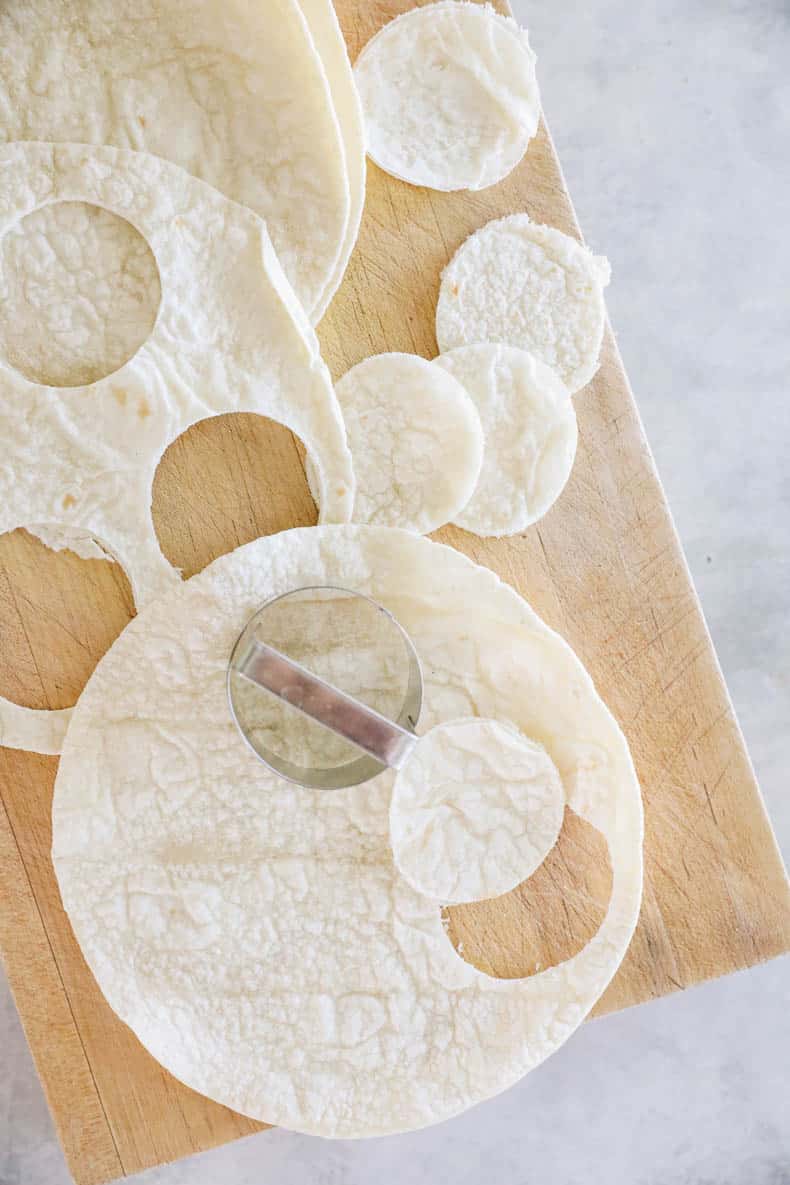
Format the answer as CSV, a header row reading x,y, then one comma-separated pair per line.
x,y
260,942
531,286
529,425
331,45
230,336
417,443
474,811
450,96
233,92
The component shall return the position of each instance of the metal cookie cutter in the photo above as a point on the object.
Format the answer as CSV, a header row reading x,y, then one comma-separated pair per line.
x,y
326,687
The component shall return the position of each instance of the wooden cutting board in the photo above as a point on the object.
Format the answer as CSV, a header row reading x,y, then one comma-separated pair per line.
x,y
604,568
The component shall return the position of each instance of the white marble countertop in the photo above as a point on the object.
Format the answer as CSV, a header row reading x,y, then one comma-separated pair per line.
x,y
672,121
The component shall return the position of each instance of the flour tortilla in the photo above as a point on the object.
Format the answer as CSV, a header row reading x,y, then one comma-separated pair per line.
x,y
229,335
259,940
531,286
330,43
474,811
233,92
416,441
530,436
450,96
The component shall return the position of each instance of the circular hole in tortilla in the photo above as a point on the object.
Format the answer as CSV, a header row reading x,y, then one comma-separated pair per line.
x,y
59,613
79,294
225,481
546,919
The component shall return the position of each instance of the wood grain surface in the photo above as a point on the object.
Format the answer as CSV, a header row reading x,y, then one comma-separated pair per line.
x,y
604,568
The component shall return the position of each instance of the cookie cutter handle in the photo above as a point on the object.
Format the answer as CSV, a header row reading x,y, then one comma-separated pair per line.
x,y
342,714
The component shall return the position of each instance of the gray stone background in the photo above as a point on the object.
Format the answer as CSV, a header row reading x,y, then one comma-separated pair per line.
x,y
672,121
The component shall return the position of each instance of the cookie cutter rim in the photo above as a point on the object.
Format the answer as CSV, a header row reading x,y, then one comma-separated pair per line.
x,y
383,743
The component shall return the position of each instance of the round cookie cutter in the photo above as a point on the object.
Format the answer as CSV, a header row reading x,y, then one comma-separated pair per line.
x,y
285,711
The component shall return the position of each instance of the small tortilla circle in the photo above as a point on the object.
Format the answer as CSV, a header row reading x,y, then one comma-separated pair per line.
x,y
530,430
527,285
474,811
415,439
450,96
260,941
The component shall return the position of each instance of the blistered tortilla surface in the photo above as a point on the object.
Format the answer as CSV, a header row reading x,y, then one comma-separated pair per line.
x,y
257,936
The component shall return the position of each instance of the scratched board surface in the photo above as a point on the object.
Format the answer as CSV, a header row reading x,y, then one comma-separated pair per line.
x,y
604,568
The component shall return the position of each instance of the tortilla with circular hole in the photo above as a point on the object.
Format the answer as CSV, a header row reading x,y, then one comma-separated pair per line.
x,y
229,335
257,936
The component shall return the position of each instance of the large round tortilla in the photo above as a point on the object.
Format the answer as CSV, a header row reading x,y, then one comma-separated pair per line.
x,y
256,936
229,336
232,91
